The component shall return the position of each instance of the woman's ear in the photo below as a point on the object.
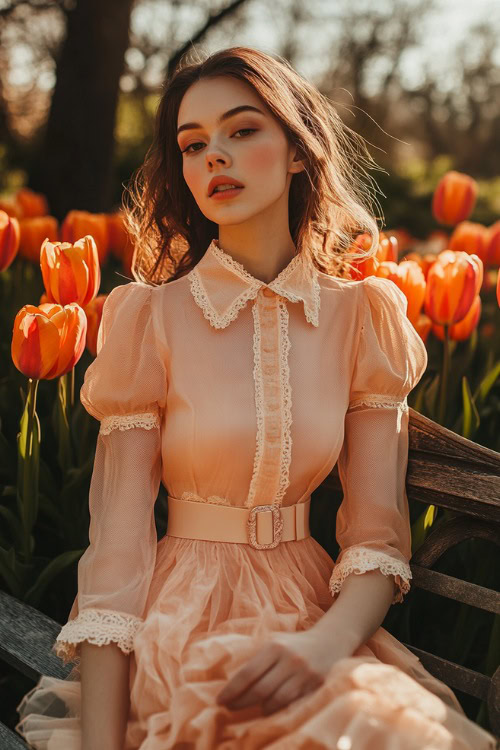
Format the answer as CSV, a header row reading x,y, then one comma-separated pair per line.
x,y
297,162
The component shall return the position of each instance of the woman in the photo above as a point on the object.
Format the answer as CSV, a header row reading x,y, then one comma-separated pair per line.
x,y
239,384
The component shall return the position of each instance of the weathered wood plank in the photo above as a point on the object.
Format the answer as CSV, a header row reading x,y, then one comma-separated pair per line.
x,y
26,638
455,675
10,740
456,589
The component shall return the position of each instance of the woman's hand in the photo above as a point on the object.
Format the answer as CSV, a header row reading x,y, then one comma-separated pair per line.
x,y
288,667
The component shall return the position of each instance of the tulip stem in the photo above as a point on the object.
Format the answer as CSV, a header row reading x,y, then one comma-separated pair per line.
x,y
443,381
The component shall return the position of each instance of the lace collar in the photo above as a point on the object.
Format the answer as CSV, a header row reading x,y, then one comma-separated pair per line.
x,y
221,286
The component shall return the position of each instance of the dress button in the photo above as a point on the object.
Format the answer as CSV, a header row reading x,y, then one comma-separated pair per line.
x,y
267,292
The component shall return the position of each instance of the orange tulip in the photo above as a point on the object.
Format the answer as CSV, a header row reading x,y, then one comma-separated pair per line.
x,y
93,311
493,249
416,257
71,273
454,198
117,234
425,261
404,238
487,331
386,251
362,268
438,240
423,326
490,280
79,223
388,247
471,237
498,288
9,239
409,277
33,232
463,329
453,282
48,340
11,208
31,203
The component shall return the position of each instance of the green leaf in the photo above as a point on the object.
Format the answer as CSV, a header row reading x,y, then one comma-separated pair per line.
x,y
486,385
431,396
7,571
471,417
15,525
58,564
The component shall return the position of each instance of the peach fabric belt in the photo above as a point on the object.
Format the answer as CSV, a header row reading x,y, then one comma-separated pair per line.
x,y
263,526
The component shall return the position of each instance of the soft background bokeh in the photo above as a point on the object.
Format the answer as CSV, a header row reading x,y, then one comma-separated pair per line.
x,y
79,82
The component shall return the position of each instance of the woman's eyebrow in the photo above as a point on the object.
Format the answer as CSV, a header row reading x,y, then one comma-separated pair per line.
x,y
224,116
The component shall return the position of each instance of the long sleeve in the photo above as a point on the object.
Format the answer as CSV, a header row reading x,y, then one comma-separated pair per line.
x,y
373,525
125,389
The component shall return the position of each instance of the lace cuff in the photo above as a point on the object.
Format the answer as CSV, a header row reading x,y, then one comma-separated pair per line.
x,y
147,420
359,560
376,401
98,626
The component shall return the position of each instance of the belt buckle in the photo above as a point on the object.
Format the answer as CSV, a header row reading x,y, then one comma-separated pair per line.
x,y
277,526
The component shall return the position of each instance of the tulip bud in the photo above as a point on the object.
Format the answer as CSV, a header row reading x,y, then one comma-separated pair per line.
x,y
454,198
48,340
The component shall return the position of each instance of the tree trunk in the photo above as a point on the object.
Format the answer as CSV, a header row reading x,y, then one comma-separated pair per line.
x,y
77,156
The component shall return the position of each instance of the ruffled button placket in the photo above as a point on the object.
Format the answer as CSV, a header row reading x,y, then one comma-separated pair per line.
x,y
271,345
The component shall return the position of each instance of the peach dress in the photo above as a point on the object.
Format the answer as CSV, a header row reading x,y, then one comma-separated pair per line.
x,y
233,391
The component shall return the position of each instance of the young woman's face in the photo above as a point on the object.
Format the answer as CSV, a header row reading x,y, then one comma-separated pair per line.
x,y
248,146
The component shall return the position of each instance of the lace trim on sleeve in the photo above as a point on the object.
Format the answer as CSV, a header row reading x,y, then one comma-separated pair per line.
x,y
147,420
98,626
376,401
359,560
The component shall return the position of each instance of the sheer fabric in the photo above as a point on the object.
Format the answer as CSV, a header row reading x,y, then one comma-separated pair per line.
x,y
124,388
373,525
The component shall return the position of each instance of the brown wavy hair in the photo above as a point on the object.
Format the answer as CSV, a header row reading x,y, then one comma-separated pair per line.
x,y
330,201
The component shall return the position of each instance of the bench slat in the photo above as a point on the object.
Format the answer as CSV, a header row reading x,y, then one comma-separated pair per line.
x,y
456,589
456,676
10,740
26,638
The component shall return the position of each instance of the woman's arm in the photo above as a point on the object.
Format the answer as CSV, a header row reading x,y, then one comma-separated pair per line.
x,y
104,672
358,610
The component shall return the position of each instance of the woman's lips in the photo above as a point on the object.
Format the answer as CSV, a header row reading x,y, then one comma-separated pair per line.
x,y
226,193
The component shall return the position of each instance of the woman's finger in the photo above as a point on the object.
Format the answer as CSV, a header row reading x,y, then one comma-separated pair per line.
x,y
285,694
264,687
252,671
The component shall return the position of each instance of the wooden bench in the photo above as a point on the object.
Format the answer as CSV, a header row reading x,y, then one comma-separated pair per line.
x,y
445,470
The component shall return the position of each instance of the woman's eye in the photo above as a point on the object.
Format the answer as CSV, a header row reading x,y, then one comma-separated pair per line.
x,y
241,130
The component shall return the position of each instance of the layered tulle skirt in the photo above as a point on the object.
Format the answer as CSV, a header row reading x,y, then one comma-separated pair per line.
x,y
211,606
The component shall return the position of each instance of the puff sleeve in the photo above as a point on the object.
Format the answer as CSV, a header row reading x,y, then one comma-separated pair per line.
x,y
373,525
124,388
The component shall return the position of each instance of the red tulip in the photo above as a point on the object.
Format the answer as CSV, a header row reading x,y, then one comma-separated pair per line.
x,y
493,249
